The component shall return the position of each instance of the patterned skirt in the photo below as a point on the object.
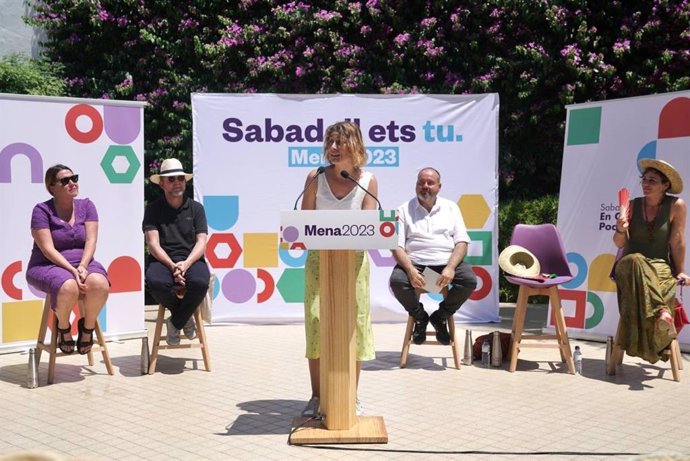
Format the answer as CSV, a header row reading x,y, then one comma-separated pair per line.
x,y
364,334
645,287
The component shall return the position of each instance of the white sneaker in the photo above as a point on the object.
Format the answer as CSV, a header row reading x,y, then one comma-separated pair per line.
x,y
359,410
190,328
313,408
172,336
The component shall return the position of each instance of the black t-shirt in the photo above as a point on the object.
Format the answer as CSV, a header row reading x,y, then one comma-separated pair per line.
x,y
177,227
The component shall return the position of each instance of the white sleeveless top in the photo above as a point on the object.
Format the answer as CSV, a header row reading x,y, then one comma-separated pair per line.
x,y
325,200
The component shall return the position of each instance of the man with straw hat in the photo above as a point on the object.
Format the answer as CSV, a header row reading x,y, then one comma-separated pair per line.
x,y
175,228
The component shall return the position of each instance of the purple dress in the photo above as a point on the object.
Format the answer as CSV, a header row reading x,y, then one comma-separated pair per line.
x,y
68,239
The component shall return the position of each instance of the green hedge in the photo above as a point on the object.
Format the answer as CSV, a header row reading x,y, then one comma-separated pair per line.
x,y
21,75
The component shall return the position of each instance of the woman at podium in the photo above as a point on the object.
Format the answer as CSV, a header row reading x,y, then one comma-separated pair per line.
x,y
341,185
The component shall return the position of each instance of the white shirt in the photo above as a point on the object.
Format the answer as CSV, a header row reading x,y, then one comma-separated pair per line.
x,y
429,238
325,200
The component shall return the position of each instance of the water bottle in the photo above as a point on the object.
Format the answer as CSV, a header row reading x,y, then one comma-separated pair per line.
x,y
609,351
467,357
486,353
496,353
145,355
577,358
32,372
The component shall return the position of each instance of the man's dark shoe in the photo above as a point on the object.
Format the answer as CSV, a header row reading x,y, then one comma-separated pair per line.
x,y
419,333
440,324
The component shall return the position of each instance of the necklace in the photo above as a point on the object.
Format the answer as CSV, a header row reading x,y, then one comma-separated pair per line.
x,y
650,224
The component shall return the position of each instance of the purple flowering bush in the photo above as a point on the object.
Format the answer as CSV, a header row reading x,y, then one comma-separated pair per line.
x,y
539,56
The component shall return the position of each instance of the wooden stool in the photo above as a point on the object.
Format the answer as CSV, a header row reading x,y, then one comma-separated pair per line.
x,y
200,333
673,351
410,329
561,336
52,349
408,340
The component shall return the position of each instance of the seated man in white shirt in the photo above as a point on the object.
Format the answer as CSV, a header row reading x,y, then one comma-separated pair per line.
x,y
432,234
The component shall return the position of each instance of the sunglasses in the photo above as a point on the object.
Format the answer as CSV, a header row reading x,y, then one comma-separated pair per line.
x,y
651,181
172,179
64,181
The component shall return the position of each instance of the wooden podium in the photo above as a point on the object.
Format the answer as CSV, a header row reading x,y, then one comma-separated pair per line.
x,y
338,317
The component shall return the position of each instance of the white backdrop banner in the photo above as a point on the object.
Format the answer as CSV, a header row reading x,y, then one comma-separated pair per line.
x,y
252,153
103,142
603,142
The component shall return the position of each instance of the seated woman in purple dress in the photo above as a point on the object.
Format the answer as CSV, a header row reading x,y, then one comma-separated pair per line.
x,y
65,230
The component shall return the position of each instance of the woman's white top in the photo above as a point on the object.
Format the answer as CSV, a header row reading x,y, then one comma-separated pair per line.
x,y
325,200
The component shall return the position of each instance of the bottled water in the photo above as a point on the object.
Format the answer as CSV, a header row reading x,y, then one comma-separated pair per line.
x,y
496,353
486,353
32,372
577,358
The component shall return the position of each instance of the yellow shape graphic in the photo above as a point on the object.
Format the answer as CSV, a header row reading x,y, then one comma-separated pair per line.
x,y
20,320
599,271
475,211
260,249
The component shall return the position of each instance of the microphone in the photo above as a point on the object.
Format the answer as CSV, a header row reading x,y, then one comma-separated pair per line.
x,y
319,170
347,175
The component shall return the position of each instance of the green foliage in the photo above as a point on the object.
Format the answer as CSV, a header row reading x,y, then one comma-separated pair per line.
x,y
518,211
539,56
21,75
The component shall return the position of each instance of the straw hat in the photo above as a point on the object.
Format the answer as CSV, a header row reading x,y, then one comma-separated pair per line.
x,y
667,169
519,261
170,167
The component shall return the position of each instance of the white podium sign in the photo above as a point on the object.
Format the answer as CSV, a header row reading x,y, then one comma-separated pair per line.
x,y
338,229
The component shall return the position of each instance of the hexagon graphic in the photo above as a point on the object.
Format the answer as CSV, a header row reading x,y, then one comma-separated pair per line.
x,y
475,210
109,158
218,239
291,285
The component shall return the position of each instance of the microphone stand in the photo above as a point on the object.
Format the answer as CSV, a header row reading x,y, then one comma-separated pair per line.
x,y
347,175
319,170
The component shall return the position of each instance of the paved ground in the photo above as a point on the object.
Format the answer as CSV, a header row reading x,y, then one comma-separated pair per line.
x,y
243,409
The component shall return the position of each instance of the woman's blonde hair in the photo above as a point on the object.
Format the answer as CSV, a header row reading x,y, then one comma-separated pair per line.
x,y
349,134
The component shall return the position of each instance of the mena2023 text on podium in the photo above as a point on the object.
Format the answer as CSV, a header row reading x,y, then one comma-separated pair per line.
x,y
337,233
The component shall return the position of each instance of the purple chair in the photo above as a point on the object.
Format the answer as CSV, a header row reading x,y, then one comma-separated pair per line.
x,y
544,241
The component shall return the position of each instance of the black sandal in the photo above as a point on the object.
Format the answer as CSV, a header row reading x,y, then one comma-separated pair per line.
x,y
84,347
66,346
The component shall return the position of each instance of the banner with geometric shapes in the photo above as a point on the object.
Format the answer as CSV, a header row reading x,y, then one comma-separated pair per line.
x,y
603,142
252,153
103,142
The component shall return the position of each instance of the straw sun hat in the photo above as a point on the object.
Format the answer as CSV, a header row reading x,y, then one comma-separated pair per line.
x,y
667,169
519,261
170,167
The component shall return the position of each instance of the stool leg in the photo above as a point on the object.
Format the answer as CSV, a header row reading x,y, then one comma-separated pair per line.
x,y
561,329
454,342
43,331
407,341
156,339
518,325
201,333
674,360
616,353
104,348
53,350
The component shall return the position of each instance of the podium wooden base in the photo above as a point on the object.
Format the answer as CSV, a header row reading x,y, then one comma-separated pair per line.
x,y
369,429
